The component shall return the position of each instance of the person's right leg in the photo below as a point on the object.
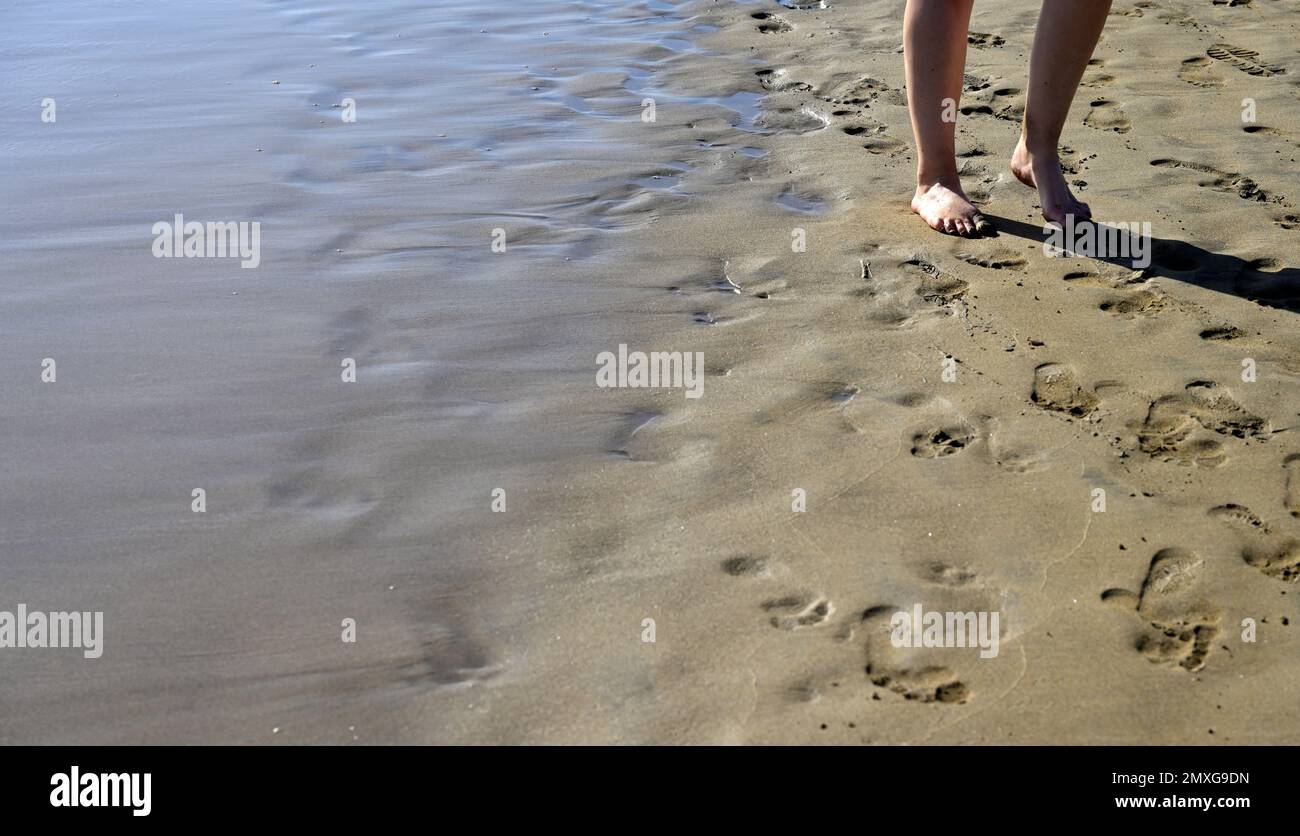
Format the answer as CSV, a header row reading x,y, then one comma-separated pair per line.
x,y
934,54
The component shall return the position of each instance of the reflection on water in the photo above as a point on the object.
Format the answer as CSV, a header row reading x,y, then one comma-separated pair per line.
x,y
325,498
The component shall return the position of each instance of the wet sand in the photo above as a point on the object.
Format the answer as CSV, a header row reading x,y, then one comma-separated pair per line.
x,y
825,378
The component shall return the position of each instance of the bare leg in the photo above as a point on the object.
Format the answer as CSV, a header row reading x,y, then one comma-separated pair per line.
x,y
1067,33
934,53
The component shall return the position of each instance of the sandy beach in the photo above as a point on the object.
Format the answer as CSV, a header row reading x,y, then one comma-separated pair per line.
x,y
1101,452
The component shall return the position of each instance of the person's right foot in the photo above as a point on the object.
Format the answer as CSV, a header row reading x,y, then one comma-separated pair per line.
x,y
945,207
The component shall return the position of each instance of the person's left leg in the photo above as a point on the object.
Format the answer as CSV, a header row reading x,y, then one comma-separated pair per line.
x,y
1067,33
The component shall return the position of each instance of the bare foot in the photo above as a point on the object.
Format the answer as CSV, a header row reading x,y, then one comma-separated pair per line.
x,y
945,207
1042,171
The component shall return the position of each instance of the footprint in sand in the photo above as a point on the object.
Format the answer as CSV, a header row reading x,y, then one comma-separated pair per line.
x,y
929,684
999,259
1175,16
1111,279
1291,465
1003,103
779,81
865,91
1107,116
1182,626
1096,78
877,141
1223,181
1139,304
770,24
1246,60
747,566
1276,559
934,284
941,441
1265,130
1174,425
983,40
910,293
1056,388
886,145
1281,562
1222,333
925,684
1239,516
795,612
946,575
1199,72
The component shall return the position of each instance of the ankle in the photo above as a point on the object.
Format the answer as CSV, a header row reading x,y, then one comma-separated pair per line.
x,y
926,180
1038,149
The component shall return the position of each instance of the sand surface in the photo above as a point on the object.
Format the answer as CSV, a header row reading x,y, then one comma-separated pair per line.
x,y
825,376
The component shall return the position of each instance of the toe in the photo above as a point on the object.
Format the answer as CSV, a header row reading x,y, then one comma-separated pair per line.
x,y
949,225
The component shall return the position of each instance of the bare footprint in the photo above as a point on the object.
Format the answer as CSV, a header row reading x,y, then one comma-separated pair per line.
x,y
770,24
1198,71
928,684
943,441
795,612
1107,116
1141,303
885,669
1001,259
747,566
1281,562
1181,626
1223,181
779,81
880,143
1222,333
1173,425
1291,464
1239,516
946,575
935,285
1056,388
983,40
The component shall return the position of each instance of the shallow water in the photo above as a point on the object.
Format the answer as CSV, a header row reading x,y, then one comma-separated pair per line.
x,y
325,499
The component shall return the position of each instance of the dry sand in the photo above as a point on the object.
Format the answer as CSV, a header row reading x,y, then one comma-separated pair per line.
x,y
825,375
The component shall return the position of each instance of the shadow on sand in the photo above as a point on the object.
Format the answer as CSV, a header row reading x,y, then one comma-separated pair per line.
x,y
1264,281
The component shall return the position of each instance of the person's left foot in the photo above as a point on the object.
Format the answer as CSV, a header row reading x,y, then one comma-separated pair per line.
x,y
1042,171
